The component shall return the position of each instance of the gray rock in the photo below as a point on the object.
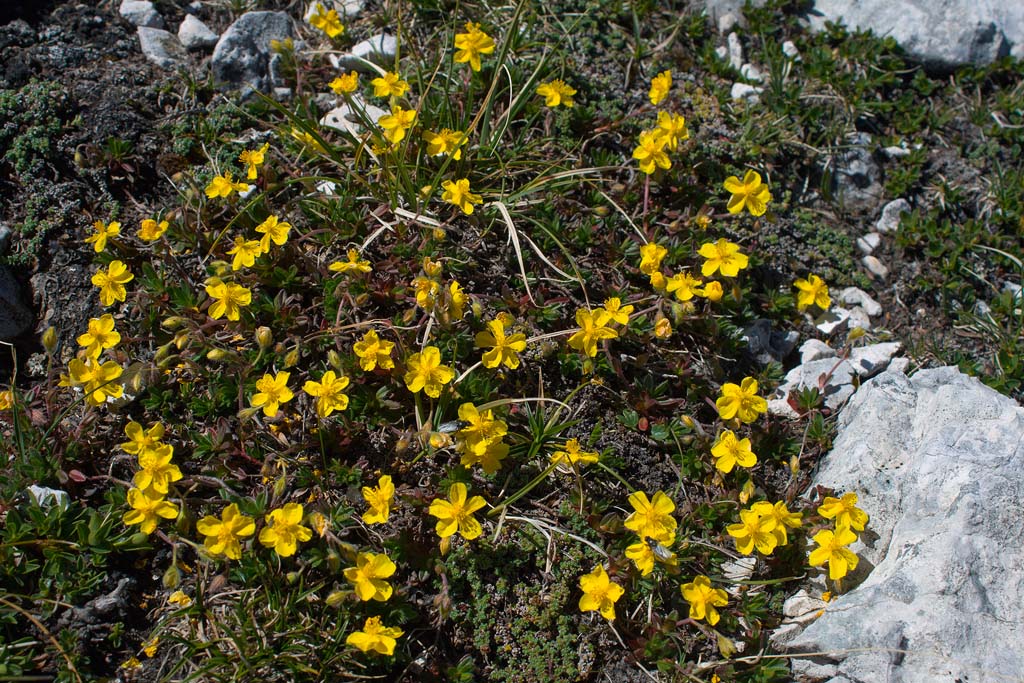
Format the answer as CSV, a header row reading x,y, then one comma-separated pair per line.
x,y
161,47
5,238
869,242
815,349
900,365
889,221
380,49
766,344
350,119
856,180
894,152
837,390
195,35
790,50
718,8
875,267
15,316
939,34
1012,287
937,461
722,52
741,92
853,296
735,50
140,13
870,360
752,73
859,318
727,22
242,57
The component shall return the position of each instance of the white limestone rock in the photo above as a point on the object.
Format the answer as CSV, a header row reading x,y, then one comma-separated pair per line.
x,y
195,35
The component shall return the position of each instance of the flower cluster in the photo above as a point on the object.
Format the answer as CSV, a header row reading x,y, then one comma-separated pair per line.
x,y
832,543
153,479
480,440
763,527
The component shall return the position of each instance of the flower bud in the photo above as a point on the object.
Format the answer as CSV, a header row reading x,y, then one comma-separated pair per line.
x,y
264,337
172,577
291,359
219,355
173,323
334,359
335,598
50,340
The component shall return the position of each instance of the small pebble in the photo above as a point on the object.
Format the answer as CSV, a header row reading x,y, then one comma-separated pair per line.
x,y
789,49
735,50
853,296
889,221
749,93
875,267
869,242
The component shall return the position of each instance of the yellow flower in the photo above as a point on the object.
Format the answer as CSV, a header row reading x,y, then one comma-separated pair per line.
x,y
616,311
672,127
832,549
253,159
556,93
658,282
426,290
425,372
179,599
814,291
782,516
140,440
651,255
599,593
95,379
223,186
458,193
652,518
741,401
471,44
98,239
390,84
375,638
245,252
368,576
99,336
448,141
662,328
647,551
712,291
397,123
373,352
327,20
307,139
504,350
572,454
345,83
272,392
150,230
480,438
379,499
723,256
704,599
328,392
157,472
6,399
284,530
111,282
456,301
751,193
592,328
729,451
754,531
273,230
650,152
149,647
229,298
684,285
660,85
146,511
224,536
845,511
353,265
456,513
